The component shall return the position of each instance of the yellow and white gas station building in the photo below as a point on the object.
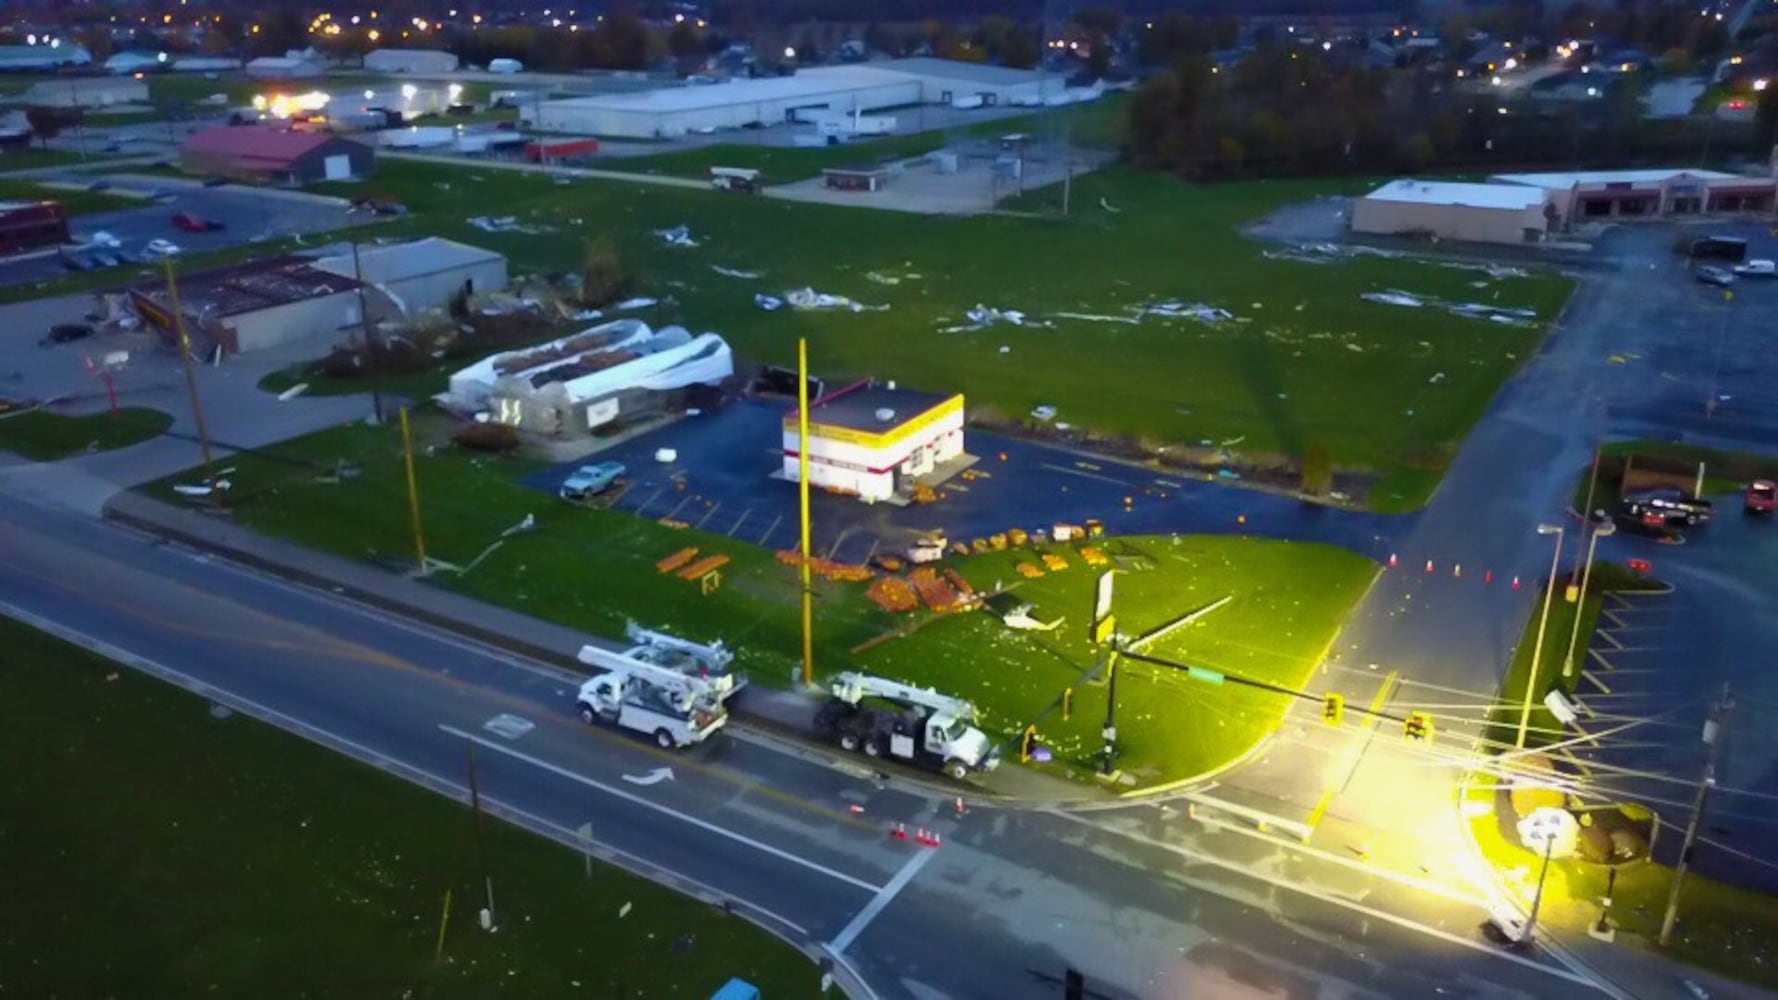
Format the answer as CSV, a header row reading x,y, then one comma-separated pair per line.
x,y
873,441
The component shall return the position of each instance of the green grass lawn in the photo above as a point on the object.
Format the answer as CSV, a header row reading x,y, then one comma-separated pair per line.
x,y
1726,473
188,854
76,201
34,158
1306,362
43,436
1724,928
1098,125
594,569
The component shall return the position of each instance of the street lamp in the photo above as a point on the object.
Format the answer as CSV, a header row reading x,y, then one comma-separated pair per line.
x,y
1542,623
1547,824
1605,529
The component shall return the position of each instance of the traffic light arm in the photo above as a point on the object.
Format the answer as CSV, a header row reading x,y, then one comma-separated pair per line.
x,y
1261,686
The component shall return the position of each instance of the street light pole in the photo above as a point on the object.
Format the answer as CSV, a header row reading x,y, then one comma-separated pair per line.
x,y
1607,529
1549,846
1712,739
1542,624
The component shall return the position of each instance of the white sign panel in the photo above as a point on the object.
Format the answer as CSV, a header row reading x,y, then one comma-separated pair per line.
x,y
601,413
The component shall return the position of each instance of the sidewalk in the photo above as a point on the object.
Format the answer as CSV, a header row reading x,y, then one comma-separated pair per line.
x,y
781,715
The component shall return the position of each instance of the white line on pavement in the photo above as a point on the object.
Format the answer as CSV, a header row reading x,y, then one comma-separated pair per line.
x,y
882,899
704,825
1329,898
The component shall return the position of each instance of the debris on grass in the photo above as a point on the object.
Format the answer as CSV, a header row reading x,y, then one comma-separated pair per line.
x,y
770,303
1468,310
733,272
678,236
810,300
1188,310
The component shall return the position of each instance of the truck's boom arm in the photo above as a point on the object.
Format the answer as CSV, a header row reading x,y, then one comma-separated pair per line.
x,y
851,687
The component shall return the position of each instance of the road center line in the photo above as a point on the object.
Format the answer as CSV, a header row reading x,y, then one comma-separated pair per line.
x,y
1331,899
882,899
664,810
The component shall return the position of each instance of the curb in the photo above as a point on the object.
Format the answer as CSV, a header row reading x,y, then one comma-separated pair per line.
x,y
761,726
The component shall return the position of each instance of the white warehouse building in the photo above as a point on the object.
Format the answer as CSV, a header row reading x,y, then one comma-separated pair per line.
x,y
423,274
875,441
1473,213
410,61
675,111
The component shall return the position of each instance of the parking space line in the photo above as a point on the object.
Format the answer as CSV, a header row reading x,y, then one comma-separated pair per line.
x,y
651,499
664,810
1601,685
740,521
772,528
709,513
1085,475
676,507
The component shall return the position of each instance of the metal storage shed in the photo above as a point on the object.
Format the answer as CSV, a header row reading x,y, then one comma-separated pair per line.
x,y
1477,213
266,154
410,61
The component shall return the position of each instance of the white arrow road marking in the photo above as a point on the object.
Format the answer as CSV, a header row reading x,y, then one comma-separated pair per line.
x,y
704,825
653,777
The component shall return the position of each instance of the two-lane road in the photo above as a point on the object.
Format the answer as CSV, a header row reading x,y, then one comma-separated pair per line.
x,y
1147,904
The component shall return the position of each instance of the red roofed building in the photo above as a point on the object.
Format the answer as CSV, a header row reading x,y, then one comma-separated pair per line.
x,y
260,154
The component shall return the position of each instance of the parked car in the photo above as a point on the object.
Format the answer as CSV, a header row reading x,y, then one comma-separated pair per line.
x,y
1762,496
160,248
194,223
1710,274
63,333
1665,505
589,481
1758,269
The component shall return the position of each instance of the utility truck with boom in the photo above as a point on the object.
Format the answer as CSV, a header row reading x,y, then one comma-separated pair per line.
x,y
885,718
677,708
712,663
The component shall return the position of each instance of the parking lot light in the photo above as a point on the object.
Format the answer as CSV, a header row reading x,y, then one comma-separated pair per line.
x,y
1542,624
1604,529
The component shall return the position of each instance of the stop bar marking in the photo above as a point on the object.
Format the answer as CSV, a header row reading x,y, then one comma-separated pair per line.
x,y
665,810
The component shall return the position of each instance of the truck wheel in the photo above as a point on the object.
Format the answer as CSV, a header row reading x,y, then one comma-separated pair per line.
x,y
873,748
664,739
587,715
956,769
848,742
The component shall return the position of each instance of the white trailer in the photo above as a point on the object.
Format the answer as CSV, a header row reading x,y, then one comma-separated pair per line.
x,y
906,722
677,709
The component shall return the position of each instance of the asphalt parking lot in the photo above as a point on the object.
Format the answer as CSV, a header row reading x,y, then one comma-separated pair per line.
x,y
722,480
248,215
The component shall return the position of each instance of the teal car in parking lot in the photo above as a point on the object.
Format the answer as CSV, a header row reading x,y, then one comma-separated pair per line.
x,y
589,481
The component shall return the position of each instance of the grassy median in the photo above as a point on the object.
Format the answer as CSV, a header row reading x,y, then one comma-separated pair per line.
x,y
42,436
594,569
157,849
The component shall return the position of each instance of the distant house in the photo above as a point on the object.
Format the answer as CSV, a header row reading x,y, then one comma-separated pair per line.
x,y
410,61
283,68
87,92
268,155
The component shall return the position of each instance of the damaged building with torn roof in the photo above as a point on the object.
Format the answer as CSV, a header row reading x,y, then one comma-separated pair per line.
x,y
573,387
280,300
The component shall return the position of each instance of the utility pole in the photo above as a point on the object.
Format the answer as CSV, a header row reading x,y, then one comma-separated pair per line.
x,y
191,379
370,344
481,838
1549,846
1542,623
1713,731
413,491
802,478
1108,766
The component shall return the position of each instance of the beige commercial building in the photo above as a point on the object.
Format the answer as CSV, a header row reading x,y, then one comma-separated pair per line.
x,y
1472,213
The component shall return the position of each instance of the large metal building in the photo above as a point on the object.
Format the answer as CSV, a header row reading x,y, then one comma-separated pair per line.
x,y
422,274
1474,213
675,111
1605,194
269,155
410,61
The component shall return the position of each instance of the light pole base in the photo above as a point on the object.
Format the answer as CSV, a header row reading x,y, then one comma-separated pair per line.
x,y
1607,935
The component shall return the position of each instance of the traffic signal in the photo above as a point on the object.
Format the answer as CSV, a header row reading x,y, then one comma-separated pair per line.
x,y
1026,743
1333,710
1418,727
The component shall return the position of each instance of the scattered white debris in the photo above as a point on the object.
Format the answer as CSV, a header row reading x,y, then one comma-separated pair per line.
x,y
679,236
1108,206
294,391
637,303
504,224
589,314
1098,318
808,298
1045,413
666,456
1188,310
1436,378
1393,299
1005,349
769,303
732,272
